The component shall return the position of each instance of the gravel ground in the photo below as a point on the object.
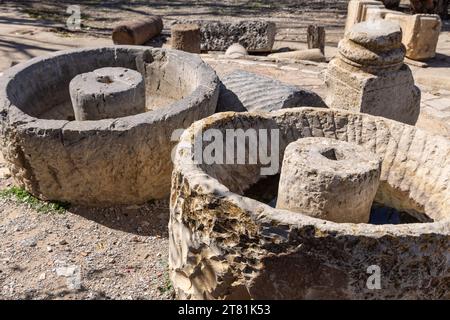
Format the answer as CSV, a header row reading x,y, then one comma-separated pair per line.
x,y
114,253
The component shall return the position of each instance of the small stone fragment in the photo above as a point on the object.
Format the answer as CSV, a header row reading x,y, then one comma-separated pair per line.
x,y
236,51
310,54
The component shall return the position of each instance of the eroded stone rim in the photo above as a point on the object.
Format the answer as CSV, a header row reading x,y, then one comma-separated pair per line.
x,y
311,156
206,185
14,116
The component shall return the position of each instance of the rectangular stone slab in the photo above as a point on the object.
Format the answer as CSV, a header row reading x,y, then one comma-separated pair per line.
x,y
255,36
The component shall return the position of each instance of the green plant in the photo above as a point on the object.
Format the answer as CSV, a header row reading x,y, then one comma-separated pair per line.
x,y
166,287
22,196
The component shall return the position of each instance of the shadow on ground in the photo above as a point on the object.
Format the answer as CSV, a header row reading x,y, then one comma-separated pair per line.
x,y
148,220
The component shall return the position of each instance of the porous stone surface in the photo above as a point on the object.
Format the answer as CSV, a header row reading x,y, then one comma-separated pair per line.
x,y
137,32
368,75
246,91
186,37
225,245
254,36
420,33
105,93
329,179
236,50
308,54
124,160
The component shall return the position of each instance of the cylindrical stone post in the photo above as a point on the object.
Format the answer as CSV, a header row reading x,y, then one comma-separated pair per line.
x,y
107,93
186,37
329,179
137,32
316,37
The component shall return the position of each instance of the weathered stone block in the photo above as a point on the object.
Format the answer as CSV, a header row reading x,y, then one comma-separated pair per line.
x,y
369,75
107,93
254,36
225,244
329,179
246,91
420,34
186,37
357,11
137,32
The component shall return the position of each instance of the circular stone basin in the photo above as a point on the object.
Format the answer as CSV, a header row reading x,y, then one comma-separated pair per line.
x,y
224,244
329,179
125,160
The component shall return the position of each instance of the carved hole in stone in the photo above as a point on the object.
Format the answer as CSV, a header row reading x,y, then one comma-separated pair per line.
x,y
105,79
331,154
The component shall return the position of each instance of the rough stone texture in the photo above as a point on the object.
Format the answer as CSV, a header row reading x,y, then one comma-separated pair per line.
x,y
236,51
309,54
369,75
246,91
107,93
114,161
137,32
224,245
329,179
316,37
186,37
357,11
254,36
420,34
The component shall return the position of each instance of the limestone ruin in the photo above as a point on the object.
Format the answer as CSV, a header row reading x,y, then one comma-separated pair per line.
x,y
355,186
247,91
228,243
109,161
107,93
186,37
369,75
328,179
253,35
420,31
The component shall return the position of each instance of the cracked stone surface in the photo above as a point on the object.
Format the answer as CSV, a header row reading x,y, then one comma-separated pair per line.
x,y
224,244
100,163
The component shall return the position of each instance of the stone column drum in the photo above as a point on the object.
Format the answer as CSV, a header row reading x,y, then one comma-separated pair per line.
x,y
106,93
368,75
329,179
186,37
